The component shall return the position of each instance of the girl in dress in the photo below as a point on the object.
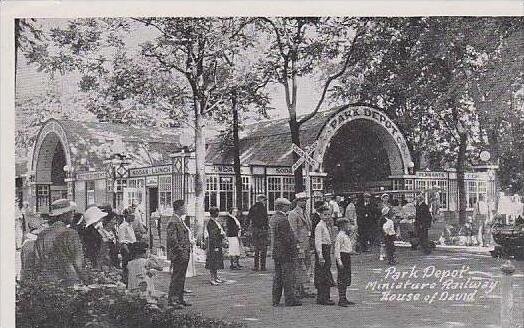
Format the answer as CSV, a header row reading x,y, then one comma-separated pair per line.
x,y
233,238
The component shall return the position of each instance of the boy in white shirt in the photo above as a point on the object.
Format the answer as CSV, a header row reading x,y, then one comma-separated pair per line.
x,y
389,239
344,248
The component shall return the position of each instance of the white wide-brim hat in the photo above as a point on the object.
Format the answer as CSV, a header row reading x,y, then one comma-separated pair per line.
x,y
93,215
62,206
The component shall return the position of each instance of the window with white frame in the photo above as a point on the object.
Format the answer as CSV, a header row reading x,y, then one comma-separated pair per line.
x,y
42,196
164,192
90,193
134,192
472,193
225,201
443,193
245,192
317,183
279,187
211,195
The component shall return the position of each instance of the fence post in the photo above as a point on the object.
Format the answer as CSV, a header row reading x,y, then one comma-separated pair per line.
x,y
506,304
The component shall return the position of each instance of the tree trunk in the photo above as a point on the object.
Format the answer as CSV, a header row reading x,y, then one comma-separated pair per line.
x,y
295,138
200,175
461,162
236,154
494,149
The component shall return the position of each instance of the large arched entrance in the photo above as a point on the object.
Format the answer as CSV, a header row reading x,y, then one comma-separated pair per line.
x,y
50,158
360,148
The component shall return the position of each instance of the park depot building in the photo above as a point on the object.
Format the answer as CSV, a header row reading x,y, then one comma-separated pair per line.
x,y
357,149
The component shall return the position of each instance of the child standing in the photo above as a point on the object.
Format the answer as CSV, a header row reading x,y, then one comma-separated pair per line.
x,y
140,272
389,239
344,248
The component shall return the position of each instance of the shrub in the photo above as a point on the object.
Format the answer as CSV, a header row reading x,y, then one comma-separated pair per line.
x,y
44,304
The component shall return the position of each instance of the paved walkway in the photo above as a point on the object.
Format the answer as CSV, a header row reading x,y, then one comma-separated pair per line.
x,y
246,296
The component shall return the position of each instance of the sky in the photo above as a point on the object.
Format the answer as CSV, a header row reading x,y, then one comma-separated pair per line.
x,y
31,82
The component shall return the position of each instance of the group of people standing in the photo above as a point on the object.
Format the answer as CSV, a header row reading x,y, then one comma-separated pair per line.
x,y
294,237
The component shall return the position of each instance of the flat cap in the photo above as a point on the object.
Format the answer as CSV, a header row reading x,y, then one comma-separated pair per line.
x,y
282,202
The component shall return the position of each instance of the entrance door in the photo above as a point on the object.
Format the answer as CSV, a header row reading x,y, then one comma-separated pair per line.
x,y
153,200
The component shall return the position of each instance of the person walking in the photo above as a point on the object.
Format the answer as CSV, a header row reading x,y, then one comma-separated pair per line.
x,y
284,255
178,248
422,223
351,212
258,219
58,248
214,256
301,226
323,277
344,248
233,233
483,215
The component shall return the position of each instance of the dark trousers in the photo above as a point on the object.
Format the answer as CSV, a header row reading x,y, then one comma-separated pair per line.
x,y
260,257
323,278
284,278
422,234
126,257
344,276
389,242
178,279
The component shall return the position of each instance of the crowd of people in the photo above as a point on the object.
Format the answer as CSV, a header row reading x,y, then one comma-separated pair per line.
x,y
303,246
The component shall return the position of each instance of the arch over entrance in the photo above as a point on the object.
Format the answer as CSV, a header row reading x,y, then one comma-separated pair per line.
x,y
362,143
51,155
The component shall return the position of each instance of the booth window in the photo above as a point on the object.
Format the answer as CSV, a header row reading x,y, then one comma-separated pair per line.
x,y
226,193
42,196
90,192
164,191
316,183
134,191
279,187
443,194
211,192
245,192
472,194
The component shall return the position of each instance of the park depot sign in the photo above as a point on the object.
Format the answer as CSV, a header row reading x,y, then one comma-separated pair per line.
x,y
383,126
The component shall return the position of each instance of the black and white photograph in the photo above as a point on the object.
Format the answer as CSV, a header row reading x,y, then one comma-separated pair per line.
x,y
265,170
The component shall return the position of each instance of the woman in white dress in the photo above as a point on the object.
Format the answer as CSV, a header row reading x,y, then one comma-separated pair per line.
x,y
233,233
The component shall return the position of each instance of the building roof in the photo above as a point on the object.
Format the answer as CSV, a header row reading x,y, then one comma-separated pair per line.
x,y
268,142
91,143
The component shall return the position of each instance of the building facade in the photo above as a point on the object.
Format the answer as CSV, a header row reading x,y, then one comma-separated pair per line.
x,y
357,149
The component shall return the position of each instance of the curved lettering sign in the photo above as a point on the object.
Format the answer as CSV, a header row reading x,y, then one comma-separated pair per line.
x,y
349,114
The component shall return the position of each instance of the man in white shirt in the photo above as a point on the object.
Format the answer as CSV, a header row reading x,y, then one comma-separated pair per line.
x,y
323,278
389,237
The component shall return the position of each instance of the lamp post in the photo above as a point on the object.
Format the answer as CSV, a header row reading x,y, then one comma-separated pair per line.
x,y
117,170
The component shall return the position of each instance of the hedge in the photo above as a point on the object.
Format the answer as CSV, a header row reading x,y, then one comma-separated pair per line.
x,y
100,305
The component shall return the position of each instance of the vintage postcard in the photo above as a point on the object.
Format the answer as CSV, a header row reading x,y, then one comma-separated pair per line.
x,y
262,164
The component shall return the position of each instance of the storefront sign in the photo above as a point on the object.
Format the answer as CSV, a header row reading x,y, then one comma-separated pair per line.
x,y
152,181
284,170
151,170
425,174
226,169
91,176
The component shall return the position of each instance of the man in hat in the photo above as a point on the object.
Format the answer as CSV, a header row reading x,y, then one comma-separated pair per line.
x,y
178,248
284,255
301,226
422,223
366,222
257,216
58,248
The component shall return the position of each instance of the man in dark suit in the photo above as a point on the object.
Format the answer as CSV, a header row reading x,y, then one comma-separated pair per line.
x,y
178,247
366,222
285,253
422,223
257,217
